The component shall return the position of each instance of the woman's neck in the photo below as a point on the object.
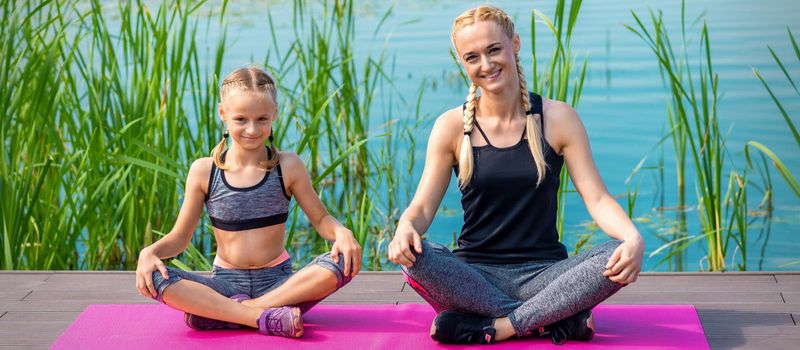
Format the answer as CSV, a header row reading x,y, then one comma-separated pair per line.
x,y
237,156
502,105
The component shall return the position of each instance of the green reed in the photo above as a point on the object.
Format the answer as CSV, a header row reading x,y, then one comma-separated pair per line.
x,y
553,79
329,98
693,117
104,118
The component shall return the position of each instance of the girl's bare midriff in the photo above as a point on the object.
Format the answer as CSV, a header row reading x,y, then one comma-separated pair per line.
x,y
250,249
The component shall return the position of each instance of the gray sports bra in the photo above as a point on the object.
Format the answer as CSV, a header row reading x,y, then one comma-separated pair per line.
x,y
235,208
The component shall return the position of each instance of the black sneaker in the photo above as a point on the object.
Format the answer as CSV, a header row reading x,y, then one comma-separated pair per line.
x,y
575,327
457,328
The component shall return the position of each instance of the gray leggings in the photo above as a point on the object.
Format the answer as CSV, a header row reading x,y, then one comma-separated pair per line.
x,y
251,282
532,294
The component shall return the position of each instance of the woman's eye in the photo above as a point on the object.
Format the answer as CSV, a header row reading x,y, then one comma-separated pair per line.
x,y
494,50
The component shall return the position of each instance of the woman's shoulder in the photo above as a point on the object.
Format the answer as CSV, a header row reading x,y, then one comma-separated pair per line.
x,y
450,124
557,112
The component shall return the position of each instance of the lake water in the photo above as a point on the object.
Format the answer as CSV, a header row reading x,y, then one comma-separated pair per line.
x,y
622,105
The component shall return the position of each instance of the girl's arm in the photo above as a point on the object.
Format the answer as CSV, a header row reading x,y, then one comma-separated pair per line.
x,y
570,136
299,185
439,160
174,242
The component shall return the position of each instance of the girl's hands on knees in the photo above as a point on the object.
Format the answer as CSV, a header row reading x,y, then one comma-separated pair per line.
x,y
347,245
400,248
148,262
626,262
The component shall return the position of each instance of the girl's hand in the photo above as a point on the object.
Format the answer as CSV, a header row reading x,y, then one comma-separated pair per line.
x,y
400,247
626,262
347,245
148,262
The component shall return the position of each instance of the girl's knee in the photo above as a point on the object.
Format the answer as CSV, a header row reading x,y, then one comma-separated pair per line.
x,y
160,283
326,261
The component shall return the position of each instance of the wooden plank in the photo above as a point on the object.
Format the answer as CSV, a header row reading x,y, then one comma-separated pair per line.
x,y
791,297
16,327
697,285
674,297
735,319
13,294
751,342
788,278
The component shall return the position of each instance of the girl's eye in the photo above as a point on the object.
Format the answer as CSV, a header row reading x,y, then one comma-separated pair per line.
x,y
494,50
471,59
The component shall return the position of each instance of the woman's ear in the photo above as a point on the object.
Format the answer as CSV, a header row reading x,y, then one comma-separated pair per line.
x,y
517,43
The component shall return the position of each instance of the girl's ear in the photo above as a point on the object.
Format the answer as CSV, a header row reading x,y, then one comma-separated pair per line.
x,y
516,43
221,111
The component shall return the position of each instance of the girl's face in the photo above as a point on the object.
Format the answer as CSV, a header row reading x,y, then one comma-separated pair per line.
x,y
249,118
488,55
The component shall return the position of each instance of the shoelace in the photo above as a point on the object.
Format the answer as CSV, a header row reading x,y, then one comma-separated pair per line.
x,y
483,335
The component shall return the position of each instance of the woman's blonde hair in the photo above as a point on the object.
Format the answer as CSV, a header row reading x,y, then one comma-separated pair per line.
x,y
533,131
249,80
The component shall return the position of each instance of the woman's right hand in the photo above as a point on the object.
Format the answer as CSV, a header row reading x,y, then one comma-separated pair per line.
x,y
400,248
148,262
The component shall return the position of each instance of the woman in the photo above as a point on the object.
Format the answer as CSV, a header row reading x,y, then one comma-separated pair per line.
x,y
510,276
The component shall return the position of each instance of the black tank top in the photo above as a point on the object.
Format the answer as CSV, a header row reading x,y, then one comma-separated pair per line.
x,y
507,218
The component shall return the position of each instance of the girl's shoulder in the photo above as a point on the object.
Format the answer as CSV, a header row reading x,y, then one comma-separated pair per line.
x,y
201,167
290,161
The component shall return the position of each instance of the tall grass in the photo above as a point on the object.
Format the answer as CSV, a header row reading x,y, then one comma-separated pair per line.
x,y
693,118
329,99
560,78
105,116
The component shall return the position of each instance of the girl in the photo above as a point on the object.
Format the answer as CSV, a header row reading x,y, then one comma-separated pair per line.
x,y
246,190
510,276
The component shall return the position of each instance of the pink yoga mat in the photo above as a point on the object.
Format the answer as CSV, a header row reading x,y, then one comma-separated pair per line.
x,y
352,327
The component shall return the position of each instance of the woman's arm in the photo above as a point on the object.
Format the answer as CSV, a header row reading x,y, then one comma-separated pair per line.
x,y
570,136
439,160
174,242
298,184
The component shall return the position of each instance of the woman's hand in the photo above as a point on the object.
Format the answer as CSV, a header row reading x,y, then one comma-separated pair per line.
x,y
347,245
148,262
626,262
400,248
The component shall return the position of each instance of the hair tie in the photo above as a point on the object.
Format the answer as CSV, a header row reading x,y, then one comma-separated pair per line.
x,y
226,135
270,138
467,133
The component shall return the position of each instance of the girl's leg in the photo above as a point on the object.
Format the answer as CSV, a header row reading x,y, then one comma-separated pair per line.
x,y
564,289
203,296
304,289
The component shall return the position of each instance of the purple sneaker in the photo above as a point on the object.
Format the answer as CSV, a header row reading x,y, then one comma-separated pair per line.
x,y
284,321
200,323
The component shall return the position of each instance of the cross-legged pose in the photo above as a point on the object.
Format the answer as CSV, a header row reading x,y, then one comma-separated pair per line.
x,y
510,275
246,189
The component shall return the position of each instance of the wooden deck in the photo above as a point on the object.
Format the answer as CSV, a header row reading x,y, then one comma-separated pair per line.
x,y
737,310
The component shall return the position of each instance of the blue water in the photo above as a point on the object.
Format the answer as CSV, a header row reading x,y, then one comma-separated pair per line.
x,y
622,104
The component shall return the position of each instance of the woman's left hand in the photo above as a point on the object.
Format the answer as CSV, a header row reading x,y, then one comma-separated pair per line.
x,y
626,262
347,245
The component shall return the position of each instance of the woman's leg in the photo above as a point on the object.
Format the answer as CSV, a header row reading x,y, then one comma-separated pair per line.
x,y
203,296
449,283
304,289
564,289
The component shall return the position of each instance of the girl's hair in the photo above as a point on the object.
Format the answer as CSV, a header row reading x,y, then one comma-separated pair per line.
x,y
251,80
533,131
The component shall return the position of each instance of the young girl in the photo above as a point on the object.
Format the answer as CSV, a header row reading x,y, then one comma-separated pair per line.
x,y
246,190
510,276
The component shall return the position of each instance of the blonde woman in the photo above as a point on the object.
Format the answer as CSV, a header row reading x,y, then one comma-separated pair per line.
x,y
510,276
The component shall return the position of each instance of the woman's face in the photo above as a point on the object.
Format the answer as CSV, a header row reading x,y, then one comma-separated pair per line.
x,y
249,117
488,55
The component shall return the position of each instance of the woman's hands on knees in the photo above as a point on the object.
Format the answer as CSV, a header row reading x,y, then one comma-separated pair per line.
x,y
626,262
148,263
400,248
347,245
